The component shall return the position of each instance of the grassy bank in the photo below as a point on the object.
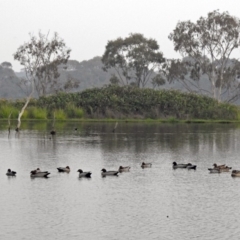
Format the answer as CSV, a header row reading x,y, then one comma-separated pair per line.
x,y
127,104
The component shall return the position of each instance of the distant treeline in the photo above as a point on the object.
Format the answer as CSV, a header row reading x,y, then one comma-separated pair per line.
x,y
115,102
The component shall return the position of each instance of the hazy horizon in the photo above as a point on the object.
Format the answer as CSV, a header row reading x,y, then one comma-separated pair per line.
x,y
87,26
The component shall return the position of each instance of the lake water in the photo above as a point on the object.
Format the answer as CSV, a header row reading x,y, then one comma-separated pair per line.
x,y
152,203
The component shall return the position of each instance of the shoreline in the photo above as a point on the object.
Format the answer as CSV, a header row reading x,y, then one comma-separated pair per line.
x,y
170,120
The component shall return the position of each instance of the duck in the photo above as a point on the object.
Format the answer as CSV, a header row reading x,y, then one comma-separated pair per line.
x,y
145,165
10,172
109,173
235,173
223,167
190,166
36,170
214,170
84,174
35,173
124,169
219,166
62,169
180,165
226,169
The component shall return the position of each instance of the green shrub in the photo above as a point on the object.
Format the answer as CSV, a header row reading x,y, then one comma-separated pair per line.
x,y
74,112
5,110
126,102
36,113
60,114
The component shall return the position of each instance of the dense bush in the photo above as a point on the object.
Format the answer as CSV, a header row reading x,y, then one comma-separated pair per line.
x,y
130,102
148,103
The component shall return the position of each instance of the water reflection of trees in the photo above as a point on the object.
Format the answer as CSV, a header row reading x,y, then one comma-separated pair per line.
x,y
169,137
138,137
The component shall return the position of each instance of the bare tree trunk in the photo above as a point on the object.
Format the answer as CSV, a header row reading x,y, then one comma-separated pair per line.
x,y
24,107
21,113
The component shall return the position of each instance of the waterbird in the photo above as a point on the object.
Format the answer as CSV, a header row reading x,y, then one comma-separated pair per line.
x,y
34,173
180,165
214,170
145,165
63,169
219,166
84,174
222,168
124,169
190,166
235,173
109,173
10,173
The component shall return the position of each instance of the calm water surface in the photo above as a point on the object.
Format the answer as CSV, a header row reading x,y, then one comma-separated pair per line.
x,y
153,203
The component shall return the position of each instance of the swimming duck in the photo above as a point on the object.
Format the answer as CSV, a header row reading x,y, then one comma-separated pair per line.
x,y
235,173
226,169
175,165
219,166
10,173
35,173
124,169
84,174
214,170
145,165
190,166
109,173
223,168
62,169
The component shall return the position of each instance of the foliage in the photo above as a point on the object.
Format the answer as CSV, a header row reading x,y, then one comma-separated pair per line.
x,y
130,103
41,58
208,45
6,64
134,59
60,114
6,110
158,81
114,80
35,113
74,112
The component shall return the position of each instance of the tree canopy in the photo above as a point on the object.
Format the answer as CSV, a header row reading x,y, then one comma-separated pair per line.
x,y
208,44
41,57
134,59
6,64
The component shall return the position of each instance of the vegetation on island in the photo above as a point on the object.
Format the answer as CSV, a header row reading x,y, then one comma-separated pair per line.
x,y
127,102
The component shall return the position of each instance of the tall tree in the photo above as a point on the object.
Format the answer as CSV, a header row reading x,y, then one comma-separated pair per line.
x,y
41,58
208,45
134,59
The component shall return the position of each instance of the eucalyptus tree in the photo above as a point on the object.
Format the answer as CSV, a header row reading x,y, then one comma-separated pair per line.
x,y
158,81
206,47
40,58
134,59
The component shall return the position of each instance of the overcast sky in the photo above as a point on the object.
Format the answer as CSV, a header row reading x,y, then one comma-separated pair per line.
x,y
87,25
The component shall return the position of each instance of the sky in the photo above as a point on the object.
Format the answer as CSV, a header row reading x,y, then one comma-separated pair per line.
x,y
87,25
